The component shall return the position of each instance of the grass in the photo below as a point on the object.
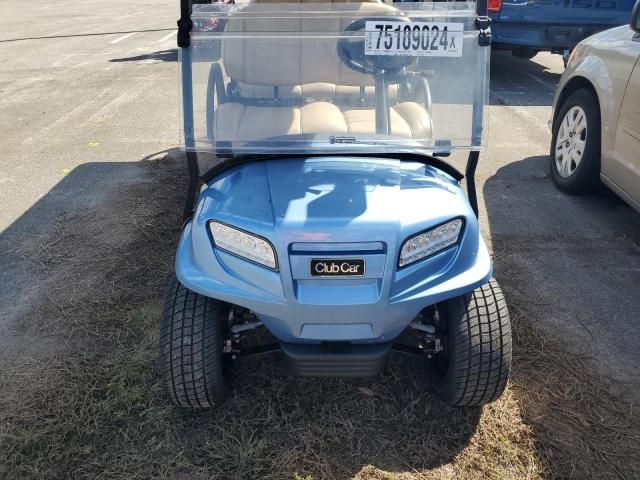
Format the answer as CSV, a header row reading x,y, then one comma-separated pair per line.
x,y
93,408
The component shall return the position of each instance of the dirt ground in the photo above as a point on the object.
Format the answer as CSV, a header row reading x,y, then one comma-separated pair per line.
x,y
90,406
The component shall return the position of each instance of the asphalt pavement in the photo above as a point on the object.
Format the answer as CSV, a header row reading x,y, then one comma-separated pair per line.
x,y
97,82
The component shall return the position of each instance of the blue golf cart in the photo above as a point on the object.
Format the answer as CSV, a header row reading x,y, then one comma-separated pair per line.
x,y
323,220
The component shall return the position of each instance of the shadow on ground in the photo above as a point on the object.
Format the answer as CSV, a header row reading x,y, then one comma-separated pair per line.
x,y
577,255
570,268
85,270
159,56
66,235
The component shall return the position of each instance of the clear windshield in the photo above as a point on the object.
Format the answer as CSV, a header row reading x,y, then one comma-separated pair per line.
x,y
334,77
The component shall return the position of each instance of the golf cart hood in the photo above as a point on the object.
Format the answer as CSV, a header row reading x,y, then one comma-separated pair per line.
x,y
335,199
333,208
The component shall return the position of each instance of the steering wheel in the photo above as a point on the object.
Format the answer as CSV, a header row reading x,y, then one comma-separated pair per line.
x,y
351,52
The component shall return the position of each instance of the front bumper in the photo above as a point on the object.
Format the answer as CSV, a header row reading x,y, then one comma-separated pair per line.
x,y
541,37
336,360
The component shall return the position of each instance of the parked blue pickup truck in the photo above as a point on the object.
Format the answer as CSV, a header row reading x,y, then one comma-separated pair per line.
x,y
527,27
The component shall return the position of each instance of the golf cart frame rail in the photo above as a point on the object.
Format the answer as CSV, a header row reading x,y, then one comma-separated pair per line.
x,y
185,26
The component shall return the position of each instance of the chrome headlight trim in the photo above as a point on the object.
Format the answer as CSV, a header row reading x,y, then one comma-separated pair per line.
x,y
430,242
240,243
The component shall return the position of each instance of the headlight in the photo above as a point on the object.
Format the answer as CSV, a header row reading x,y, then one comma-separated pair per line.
x,y
430,242
243,244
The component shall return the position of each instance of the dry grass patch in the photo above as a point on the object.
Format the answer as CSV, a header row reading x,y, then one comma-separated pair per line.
x,y
94,409
582,429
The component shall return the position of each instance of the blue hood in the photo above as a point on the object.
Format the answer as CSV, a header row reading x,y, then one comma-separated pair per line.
x,y
337,200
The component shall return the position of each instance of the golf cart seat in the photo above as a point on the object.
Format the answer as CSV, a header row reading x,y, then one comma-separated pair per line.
x,y
238,122
318,90
303,88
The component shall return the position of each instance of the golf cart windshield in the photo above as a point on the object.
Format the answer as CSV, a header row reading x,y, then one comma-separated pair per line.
x,y
365,77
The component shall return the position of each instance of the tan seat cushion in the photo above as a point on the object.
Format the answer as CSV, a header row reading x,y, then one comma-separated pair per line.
x,y
316,91
235,122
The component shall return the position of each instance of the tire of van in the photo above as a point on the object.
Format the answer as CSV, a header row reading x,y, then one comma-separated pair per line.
x,y
524,53
586,176
473,369
191,348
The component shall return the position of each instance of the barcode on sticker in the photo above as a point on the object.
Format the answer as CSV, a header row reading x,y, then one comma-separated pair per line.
x,y
422,39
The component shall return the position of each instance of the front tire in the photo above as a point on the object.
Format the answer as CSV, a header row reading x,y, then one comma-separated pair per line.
x,y
473,368
191,348
575,146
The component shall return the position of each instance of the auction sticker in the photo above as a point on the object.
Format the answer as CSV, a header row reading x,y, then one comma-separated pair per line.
x,y
422,39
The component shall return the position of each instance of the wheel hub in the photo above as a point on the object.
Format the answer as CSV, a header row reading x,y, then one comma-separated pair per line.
x,y
571,141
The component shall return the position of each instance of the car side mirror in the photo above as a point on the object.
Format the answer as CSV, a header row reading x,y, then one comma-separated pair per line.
x,y
635,18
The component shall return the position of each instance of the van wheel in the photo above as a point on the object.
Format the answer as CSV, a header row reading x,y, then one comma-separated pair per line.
x,y
575,146
191,348
473,367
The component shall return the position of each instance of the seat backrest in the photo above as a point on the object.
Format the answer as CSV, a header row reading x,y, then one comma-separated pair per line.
x,y
329,92
282,61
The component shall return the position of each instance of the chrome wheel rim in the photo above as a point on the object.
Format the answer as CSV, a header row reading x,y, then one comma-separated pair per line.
x,y
571,141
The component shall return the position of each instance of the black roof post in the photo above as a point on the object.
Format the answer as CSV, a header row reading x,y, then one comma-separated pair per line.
x,y
185,24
